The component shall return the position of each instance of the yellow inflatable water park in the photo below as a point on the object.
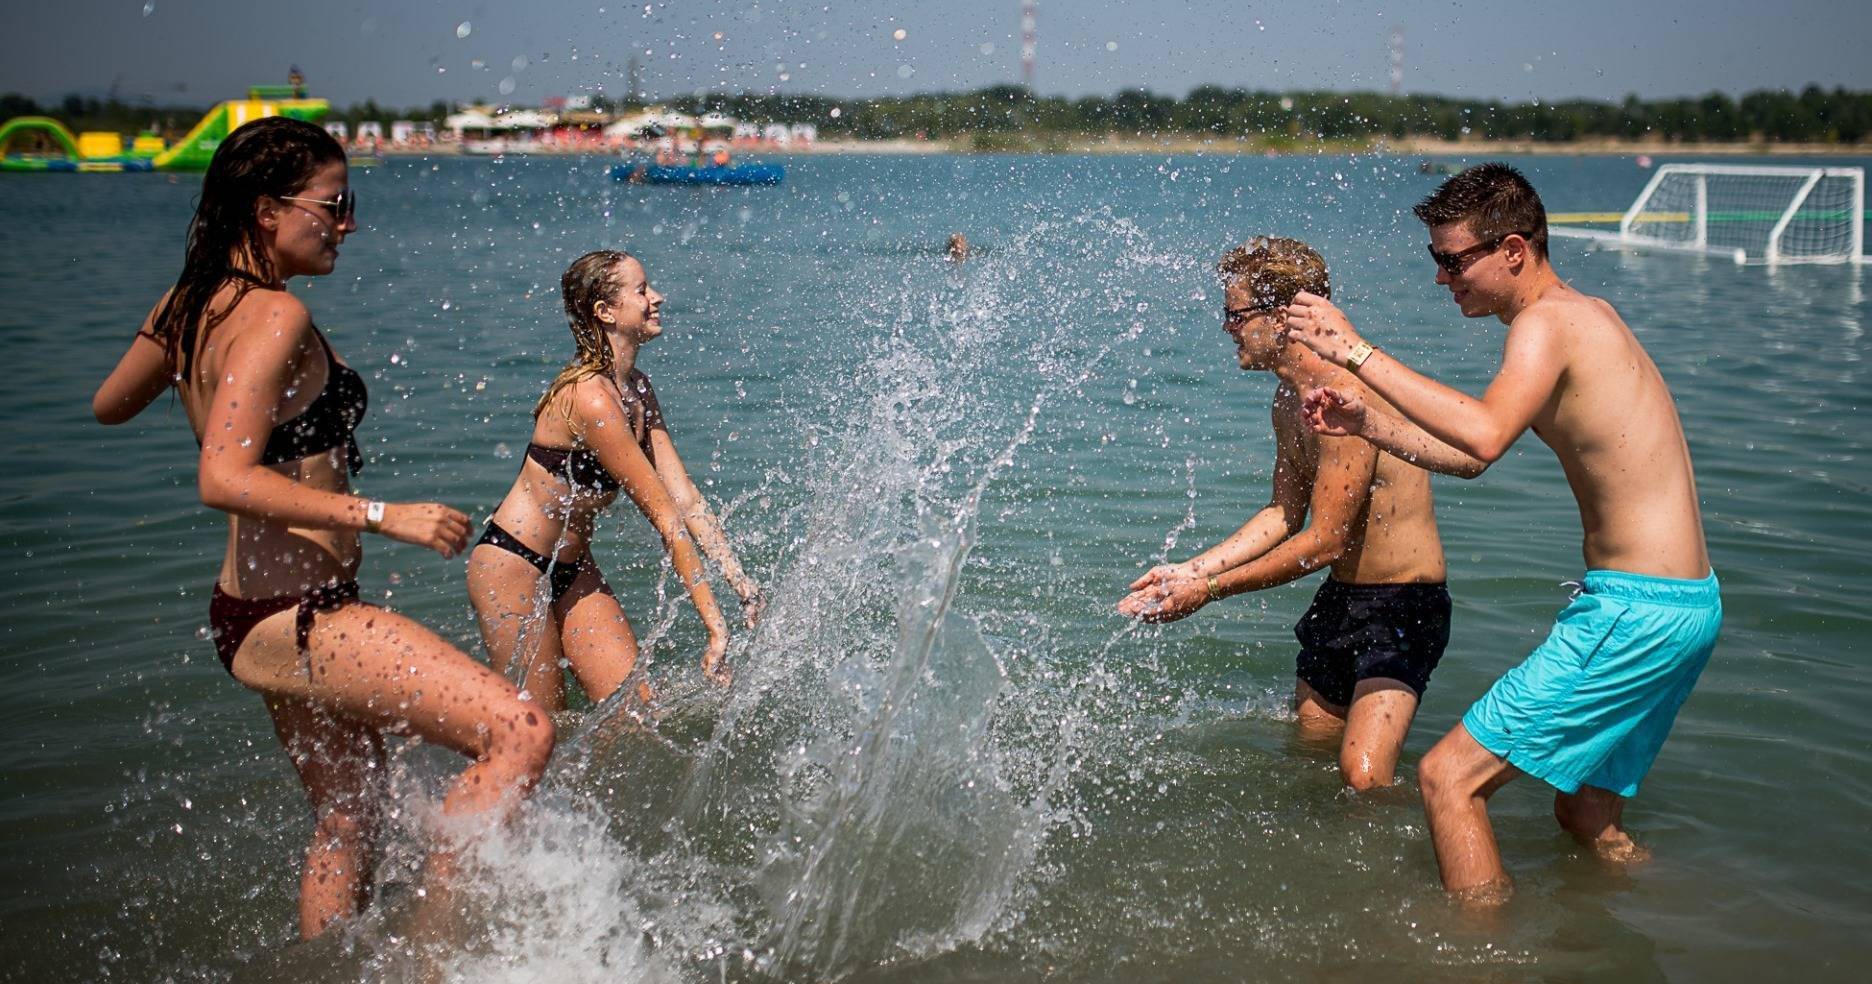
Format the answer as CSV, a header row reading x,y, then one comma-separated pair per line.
x,y
40,143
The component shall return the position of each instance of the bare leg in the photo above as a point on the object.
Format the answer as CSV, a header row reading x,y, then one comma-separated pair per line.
x,y
506,592
1318,717
1595,818
596,636
1458,776
375,668
1375,728
341,764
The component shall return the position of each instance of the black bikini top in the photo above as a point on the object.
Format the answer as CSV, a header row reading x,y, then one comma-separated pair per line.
x,y
580,466
331,420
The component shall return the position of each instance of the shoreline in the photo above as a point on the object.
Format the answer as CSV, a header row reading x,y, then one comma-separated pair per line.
x,y
1012,144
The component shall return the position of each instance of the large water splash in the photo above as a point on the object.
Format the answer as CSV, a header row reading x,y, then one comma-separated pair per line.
x,y
879,783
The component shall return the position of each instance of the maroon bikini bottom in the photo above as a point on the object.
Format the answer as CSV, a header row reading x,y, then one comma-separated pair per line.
x,y
230,619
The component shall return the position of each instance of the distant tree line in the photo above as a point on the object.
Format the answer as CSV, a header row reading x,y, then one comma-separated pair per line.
x,y
1813,115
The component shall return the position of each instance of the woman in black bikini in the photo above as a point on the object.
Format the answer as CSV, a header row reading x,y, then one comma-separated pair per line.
x,y
598,430
274,411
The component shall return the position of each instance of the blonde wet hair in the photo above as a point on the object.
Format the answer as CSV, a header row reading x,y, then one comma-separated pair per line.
x,y
591,278
1273,269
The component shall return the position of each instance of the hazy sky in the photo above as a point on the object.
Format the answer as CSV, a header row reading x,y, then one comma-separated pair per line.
x,y
407,52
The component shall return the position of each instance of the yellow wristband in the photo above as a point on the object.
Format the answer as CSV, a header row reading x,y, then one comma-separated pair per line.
x,y
1358,355
1215,590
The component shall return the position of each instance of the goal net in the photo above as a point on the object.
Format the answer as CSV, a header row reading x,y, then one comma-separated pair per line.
x,y
1751,214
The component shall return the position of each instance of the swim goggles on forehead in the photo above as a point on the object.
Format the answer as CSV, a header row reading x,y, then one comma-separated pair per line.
x,y
344,207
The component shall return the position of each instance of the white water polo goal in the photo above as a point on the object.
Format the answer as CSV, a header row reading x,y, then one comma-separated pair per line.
x,y
1748,214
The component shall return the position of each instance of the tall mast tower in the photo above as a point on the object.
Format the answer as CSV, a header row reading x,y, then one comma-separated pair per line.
x,y
1027,42
1397,60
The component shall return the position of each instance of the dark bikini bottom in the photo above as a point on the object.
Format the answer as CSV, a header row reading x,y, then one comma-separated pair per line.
x,y
562,573
230,619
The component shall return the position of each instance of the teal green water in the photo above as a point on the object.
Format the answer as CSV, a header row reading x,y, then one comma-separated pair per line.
x,y
945,758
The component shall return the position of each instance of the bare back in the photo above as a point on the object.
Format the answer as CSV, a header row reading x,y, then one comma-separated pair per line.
x,y
1614,426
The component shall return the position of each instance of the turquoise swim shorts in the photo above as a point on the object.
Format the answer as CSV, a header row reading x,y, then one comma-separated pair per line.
x,y
1593,703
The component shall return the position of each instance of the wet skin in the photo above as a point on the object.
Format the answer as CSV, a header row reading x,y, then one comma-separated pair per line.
x,y
365,671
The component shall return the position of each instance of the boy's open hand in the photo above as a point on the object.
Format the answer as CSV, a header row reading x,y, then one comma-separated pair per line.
x,y
1333,412
1318,324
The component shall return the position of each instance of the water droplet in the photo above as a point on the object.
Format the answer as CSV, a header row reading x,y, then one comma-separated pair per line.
x,y
899,34
464,29
149,8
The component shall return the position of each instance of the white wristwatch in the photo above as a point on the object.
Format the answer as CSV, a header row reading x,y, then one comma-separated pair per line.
x,y
373,515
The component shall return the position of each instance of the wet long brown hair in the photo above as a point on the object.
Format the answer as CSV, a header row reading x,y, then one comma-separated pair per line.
x,y
591,278
274,156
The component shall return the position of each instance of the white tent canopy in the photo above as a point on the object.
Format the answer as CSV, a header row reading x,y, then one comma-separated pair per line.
x,y
469,120
527,119
519,119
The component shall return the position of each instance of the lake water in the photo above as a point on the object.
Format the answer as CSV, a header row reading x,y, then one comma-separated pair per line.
x,y
945,757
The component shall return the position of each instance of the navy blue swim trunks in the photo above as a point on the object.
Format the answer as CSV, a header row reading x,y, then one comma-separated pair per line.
x,y
1355,632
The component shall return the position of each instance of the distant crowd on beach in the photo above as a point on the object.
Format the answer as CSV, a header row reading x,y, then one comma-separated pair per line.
x,y
275,410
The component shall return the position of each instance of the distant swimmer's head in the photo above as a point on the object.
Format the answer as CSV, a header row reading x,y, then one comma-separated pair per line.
x,y
1258,280
1488,228
958,247
276,199
607,297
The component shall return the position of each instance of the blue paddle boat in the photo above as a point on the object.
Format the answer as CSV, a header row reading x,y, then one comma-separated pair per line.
x,y
731,174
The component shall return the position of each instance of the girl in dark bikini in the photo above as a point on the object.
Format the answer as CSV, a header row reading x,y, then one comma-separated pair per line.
x,y
537,593
274,410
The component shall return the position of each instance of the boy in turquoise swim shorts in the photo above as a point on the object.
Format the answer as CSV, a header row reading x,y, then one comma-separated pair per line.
x,y
1589,709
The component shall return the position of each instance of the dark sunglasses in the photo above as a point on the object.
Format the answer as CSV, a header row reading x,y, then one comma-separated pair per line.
x,y
1454,263
344,207
1231,315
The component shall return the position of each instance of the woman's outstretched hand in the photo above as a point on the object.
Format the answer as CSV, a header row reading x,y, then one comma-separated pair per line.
x,y
426,524
753,603
715,659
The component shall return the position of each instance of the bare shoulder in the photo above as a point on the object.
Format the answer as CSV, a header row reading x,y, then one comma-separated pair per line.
x,y
149,320
274,307
594,399
1568,311
271,323
1291,433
